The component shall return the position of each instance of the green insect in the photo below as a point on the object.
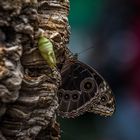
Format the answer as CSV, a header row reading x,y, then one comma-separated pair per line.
x,y
46,49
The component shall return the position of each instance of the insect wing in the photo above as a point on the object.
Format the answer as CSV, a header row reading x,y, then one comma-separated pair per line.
x,y
80,87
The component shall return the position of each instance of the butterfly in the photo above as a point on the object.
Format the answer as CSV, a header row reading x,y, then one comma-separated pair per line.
x,y
83,90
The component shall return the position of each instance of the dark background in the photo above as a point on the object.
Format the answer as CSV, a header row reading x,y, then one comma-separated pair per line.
x,y
112,29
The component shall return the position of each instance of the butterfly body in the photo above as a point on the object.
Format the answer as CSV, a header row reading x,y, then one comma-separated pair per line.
x,y
83,90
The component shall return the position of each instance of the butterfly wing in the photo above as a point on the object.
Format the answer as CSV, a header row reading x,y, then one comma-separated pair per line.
x,y
80,89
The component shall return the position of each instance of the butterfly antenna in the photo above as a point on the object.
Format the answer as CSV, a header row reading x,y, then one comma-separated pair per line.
x,y
85,50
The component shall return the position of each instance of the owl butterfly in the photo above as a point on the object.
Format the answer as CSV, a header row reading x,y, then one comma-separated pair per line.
x,y
83,90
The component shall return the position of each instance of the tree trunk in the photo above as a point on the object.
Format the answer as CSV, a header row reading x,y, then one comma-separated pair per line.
x,y
28,85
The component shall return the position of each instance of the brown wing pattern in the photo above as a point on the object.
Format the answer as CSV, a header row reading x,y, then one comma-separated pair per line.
x,y
80,89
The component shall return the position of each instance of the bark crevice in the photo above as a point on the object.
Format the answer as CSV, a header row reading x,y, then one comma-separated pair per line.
x,y
28,86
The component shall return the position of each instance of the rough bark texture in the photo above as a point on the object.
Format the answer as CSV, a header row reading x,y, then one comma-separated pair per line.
x,y
28,86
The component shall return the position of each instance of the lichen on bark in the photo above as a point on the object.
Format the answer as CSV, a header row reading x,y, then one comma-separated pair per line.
x,y
28,86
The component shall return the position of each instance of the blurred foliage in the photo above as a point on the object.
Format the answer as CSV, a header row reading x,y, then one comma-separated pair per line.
x,y
84,13
112,28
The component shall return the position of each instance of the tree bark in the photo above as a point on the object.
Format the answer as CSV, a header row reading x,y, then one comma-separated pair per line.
x,y
28,86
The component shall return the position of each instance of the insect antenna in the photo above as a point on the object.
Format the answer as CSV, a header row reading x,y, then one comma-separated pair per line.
x,y
83,51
